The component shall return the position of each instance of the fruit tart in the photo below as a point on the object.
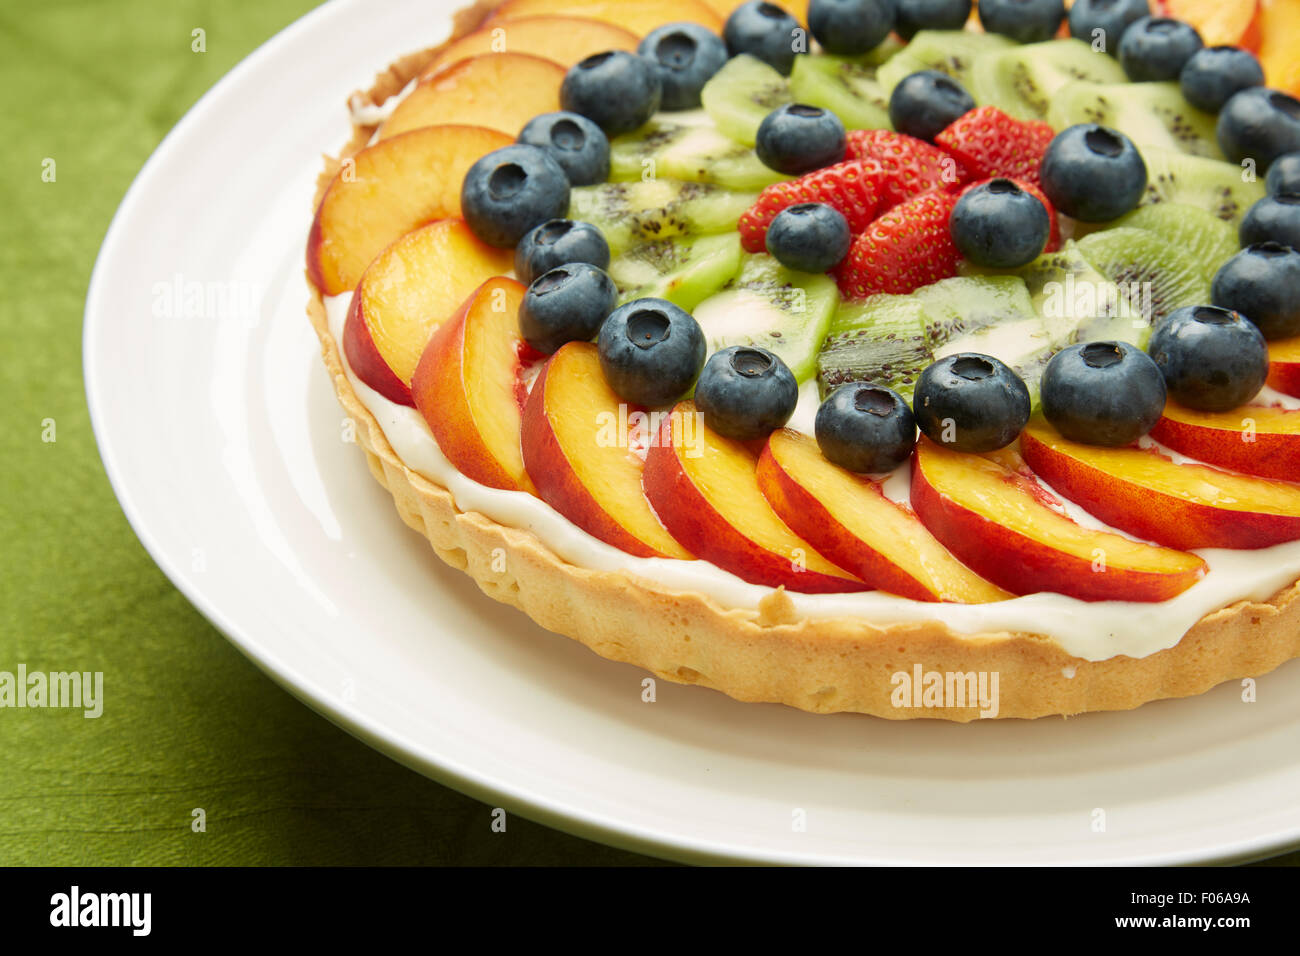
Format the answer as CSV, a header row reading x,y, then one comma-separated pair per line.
x,y
856,355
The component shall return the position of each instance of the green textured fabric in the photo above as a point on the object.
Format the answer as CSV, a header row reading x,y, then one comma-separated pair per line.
x,y
94,85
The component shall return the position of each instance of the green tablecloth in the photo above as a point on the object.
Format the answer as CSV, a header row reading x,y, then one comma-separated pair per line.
x,y
94,85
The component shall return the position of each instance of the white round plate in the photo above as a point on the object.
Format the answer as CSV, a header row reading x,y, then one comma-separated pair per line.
x,y
228,451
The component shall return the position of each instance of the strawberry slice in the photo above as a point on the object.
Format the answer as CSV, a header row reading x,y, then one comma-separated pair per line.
x,y
851,187
1053,237
910,166
906,248
989,143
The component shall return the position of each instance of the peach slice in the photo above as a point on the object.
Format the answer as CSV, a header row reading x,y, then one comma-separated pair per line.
x,y
467,387
1220,22
639,16
387,190
1255,439
1284,366
997,519
566,40
500,90
581,460
705,490
415,285
1279,25
1148,495
849,520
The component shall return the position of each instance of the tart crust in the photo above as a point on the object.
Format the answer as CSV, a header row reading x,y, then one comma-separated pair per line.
x,y
770,655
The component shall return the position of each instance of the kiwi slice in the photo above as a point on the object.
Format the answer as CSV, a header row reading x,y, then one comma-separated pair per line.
x,y
644,211
772,307
846,87
880,340
949,51
1150,114
741,94
1156,276
1023,80
1076,302
683,271
687,146
1196,181
1207,239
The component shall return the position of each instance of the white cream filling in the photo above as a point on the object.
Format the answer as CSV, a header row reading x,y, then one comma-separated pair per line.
x,y
1091,631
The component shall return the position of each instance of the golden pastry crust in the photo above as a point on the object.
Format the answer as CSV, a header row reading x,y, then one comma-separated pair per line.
x,y
769,655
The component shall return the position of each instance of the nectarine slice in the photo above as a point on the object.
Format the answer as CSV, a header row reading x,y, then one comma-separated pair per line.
x,y
1220,22
582,459
1279,25
849,520
467,387
387,190
414,286
996,519
500,90
1255,439
566,40
1149,495
639,16
704,489
1284,366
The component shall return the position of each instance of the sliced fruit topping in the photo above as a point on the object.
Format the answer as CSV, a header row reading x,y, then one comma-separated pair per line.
x,y
1207,239
651,351
575,142
467,386
1079,304
971,402
705,490
846,87
1254,439
617,90
567,304
1150,114
511,191
852,188
1093,173
909,166
880,340
1233,22
691,151
745,392
999,225
847,516
1157,277
565,40
1279,23
1022,80
988,143
1148,495
1284,366
632,213
578,448
906,248
1156,49
1196,181
996,519
924,104
950,51
1262,282
640,17
768,306
809,237
415,285
798,138
387,190
866,429
740,96
687,55
764,31
683,271
1212,359
1025,21
501,90
1103,393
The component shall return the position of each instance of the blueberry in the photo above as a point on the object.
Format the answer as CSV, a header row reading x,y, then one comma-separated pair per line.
x,y
557,242
567,304
865,428
1259,124
925,103
1262,282
1275,218
1111,17
971,402
1103,393
999,225
850,27
687,55
765,31
1025,21
1212,359
511,190
1093,173
795,139
575,142
1214,74
809,237
651,351
746,392
911,16
1284,175
617,90
1157,48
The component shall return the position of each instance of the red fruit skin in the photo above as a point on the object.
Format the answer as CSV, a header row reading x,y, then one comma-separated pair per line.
x,y
908,247
909,166
1054,236
851,187
989,143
